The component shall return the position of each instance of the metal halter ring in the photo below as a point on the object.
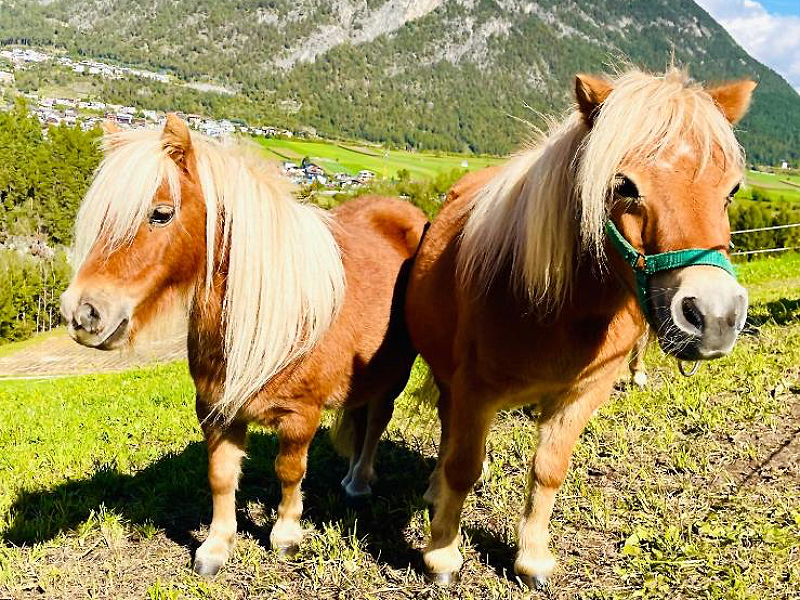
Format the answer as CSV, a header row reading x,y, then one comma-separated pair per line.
x,y
691,371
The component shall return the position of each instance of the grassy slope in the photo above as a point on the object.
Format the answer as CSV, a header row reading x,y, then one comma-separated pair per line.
x,y
103,493
774,185
350,158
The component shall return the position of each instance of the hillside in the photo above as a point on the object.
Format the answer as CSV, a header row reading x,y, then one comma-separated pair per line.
x,y
446,74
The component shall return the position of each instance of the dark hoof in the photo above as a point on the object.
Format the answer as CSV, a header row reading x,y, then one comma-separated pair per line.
x,y
535,582
443,579
206,568
288,551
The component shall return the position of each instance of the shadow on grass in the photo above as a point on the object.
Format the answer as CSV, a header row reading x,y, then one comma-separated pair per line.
x,y
781,312
173,494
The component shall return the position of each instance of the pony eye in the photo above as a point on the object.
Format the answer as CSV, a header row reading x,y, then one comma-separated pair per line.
x,y
733,191
625,188
162,215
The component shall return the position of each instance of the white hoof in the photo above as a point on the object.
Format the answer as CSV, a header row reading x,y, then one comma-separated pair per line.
x,y
356,489
640,379
535,569
444,560
286,534
210,557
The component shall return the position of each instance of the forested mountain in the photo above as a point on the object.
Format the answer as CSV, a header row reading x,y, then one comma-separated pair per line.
x,y
448,74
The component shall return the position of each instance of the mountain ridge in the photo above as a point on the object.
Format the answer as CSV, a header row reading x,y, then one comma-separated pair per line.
x,y
438,74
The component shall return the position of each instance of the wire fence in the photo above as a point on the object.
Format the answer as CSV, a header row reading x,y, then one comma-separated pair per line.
x,y
766,228
765,250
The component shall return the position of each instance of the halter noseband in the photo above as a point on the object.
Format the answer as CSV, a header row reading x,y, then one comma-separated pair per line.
x,y
646,265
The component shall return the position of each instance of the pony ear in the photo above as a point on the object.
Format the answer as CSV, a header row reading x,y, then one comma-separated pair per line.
x,y
176,138
109,127
591,92
733,98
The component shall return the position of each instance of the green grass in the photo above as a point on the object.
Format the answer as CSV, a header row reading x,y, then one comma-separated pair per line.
x,y
350,158
680,490
774,186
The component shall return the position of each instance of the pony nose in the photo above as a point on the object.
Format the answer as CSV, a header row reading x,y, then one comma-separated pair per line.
x,y
721,318
86,317
714,320
692,313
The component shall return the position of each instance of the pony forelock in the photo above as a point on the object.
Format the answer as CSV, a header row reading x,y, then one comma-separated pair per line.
x,y
548,205
284,275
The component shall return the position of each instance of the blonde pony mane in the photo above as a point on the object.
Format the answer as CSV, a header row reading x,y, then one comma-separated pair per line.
x,y
285,278
549,204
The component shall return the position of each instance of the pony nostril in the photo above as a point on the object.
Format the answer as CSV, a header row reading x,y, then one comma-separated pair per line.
x,y
692,313
87,317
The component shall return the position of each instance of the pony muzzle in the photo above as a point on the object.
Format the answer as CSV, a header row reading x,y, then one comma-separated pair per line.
x,y
94,321
699,312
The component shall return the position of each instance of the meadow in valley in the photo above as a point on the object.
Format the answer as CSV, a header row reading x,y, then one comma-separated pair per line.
x,y
687,488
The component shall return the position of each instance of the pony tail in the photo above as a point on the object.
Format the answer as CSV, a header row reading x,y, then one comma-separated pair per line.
x,y
342,433
420,401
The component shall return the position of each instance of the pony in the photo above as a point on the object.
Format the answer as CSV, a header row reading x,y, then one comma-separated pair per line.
x,y
290,309
543,271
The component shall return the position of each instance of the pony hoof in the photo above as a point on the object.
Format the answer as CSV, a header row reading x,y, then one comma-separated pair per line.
x,y
442,579
206,568
356,501
288,551
535,582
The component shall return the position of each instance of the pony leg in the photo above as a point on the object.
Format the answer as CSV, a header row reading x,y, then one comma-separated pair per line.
x,y
466,448
295,432
379,414
358,417
225,452
636,362
558,432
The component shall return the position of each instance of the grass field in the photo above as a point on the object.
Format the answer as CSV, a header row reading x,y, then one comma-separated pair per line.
x,y
773,185
350,158
335,157
687,489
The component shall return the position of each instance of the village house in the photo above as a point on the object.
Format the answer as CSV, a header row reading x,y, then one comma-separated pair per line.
x,y
365,176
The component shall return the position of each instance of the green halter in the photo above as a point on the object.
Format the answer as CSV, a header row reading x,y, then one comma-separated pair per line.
x,y
645,266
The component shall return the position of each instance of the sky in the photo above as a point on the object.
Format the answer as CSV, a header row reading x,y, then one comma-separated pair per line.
x,y
769,30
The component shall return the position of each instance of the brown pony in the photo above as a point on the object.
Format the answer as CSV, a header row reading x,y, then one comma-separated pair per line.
x,y
534,305
290,309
